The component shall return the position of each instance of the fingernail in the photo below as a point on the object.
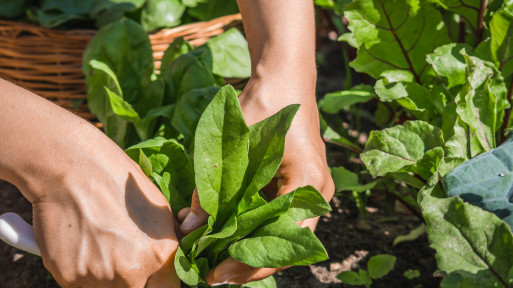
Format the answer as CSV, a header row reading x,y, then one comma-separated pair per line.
x,y
190,221
224,279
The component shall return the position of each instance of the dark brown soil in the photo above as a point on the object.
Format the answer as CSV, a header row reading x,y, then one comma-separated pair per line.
x,y
349,243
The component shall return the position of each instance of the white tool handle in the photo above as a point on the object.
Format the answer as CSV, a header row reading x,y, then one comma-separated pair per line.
x,y
18,233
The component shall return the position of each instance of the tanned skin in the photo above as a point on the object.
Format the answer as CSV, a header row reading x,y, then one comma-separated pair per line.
x,y
99,221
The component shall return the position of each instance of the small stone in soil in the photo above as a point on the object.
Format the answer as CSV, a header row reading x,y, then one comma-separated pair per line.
x,y
17,256
335,266
363,226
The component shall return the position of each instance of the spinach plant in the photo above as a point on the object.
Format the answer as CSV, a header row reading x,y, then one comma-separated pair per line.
x,y
443,74
135,103
377,267
151,14
232,163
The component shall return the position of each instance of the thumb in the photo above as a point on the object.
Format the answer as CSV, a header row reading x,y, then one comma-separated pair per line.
x,y
193,217
231,271
164,277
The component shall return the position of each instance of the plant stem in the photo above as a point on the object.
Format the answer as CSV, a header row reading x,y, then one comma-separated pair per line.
x,y
480,22
394,32
469,151
461,31
412,210
507,114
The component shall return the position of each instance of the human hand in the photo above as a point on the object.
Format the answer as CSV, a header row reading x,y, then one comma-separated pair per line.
x,y
98,220
304,163
106,227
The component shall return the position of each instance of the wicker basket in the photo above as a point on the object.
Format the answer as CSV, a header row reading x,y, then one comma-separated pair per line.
x,y
49,62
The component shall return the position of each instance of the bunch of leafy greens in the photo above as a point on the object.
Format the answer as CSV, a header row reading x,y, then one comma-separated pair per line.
x,y
456,100
151,14
184,105
134,103
232,163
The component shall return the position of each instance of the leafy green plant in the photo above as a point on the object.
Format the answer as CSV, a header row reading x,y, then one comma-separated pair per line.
x,y
232,163
411,274
151,14
377,267
134,103
443,75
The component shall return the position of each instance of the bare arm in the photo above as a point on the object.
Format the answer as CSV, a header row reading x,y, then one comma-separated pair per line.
x,y
98,220
281,39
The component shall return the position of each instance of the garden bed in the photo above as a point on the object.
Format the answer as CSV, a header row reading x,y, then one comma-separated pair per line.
x,y
348,242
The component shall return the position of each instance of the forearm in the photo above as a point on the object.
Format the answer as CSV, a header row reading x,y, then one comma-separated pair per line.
x,y
281,36
40,141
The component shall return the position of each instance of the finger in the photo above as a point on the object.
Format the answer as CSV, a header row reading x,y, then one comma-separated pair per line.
x,y
231,271
234,272
183,213
164,277
196,216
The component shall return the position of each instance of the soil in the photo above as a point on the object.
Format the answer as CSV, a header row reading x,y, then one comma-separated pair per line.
x,y
349,239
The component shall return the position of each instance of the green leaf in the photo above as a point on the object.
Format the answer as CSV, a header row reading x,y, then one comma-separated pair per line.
x,y
482,101
380,265
468,240
428,165
501,48
230,55
168,157
221,154
411,274
455,134
189,109
346,180
188,272
333,102
125,47
411,236
449,63
399,147
13,9
331,136
394,35
266,148
207,10
307,203
353,278
485,181
179,47
161,13
468,9
54,13
102,86
264,283
106,12
300,204
185,73
407,179
140,158
412,96
298,246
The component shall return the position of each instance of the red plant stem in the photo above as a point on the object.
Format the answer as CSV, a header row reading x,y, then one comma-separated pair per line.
x,y
507,114
394,32
461,32
480,22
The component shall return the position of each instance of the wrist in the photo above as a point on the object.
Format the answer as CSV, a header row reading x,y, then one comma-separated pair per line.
x,y
81,152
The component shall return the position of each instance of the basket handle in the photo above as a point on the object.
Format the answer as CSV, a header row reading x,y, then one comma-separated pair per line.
x,y
18,233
